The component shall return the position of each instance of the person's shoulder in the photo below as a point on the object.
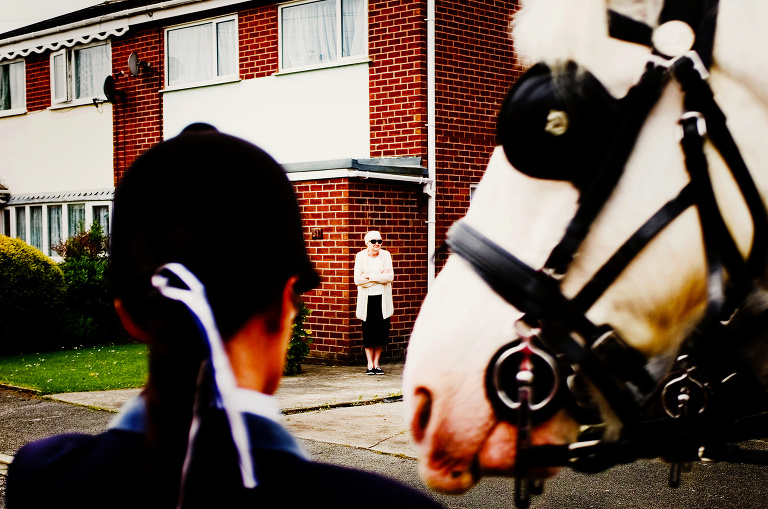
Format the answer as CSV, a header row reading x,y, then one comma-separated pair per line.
x,y
71,462
356,485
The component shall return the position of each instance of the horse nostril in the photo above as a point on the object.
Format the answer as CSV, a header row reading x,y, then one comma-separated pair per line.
x,y
421,416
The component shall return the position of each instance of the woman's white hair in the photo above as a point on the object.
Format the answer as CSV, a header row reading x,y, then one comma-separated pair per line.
x,y
373,234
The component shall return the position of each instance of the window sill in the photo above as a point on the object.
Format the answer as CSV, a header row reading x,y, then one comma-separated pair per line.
x,y
91,101
13,113
340,63
202,84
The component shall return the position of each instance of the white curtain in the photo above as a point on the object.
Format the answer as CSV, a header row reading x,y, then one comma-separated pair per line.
x,y
226,48
190,51
101,216
353,27
309,34
18,85
12,86
36,227
91,66
54,227
21,223
75,219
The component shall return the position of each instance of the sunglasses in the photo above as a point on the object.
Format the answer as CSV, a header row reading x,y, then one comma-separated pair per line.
x,y
376,241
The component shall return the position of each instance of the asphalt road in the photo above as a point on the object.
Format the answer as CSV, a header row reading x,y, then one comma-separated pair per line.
x,y
639,485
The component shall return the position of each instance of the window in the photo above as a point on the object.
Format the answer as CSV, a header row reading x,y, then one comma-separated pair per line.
x,y
203,53
36,227
21,223
45,226
75,219
101,216
12,88
321,33
54,228
77,74
6,223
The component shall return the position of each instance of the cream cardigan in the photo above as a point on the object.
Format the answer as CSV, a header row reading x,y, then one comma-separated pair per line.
x,y
385,278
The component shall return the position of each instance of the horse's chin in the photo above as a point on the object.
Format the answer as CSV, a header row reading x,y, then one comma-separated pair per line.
x,y
495,456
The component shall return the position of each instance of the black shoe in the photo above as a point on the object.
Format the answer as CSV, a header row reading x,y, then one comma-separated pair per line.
x,y
378,371
370,371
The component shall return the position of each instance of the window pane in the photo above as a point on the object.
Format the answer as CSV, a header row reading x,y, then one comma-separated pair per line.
x,y
190,54
353,27
7,222
5,87
36,227
226,48
91,66
309,34
75,219
54,228
59,77
101,216
21,223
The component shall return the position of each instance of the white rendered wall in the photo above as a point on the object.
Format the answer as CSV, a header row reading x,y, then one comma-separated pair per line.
x,y
57,150
307,116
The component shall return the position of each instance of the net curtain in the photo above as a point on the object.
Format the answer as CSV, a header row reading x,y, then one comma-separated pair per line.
x,y
310,32
92,65
12,86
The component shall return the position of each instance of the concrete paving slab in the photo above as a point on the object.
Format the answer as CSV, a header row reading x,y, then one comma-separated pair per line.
x,y
380,427
103,400
329,386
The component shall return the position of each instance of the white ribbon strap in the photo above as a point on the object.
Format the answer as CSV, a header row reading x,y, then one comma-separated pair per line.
x,y
195,299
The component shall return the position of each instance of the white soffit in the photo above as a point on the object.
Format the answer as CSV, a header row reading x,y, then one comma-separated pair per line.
x,y
112,25
53,42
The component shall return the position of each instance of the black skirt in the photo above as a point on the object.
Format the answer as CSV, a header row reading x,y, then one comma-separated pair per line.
x,y
375,328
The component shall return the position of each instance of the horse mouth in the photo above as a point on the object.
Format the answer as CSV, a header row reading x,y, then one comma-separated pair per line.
x,y
453,467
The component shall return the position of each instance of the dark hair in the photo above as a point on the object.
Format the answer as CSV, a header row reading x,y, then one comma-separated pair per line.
x,y
224,209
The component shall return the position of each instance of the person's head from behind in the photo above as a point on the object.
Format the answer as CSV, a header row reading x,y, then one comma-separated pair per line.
x,y
225,210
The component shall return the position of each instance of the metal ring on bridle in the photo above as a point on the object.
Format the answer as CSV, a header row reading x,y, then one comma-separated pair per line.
x,y
499,383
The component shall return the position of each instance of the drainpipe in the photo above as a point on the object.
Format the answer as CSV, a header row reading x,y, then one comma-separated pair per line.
x,y
431,187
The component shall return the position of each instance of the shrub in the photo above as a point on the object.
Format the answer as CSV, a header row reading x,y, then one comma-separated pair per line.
x,y
31,298
90,317
298,347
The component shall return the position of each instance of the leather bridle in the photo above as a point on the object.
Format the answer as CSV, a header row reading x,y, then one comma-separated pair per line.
x,y
688,414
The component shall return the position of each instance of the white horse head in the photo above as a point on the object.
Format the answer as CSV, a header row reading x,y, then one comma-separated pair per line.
x,y
655,301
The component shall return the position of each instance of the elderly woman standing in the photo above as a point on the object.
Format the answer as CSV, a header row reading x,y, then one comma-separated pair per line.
x,y
373,276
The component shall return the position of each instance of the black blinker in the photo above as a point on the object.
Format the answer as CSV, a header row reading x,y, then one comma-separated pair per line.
x,y
556,125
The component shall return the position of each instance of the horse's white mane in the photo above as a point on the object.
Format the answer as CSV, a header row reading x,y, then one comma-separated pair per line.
x,y
559,30
556,31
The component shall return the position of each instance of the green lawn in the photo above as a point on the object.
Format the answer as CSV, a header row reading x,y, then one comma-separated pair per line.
x,y
80,369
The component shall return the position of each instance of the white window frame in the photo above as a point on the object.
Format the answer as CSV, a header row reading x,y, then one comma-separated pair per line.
x,y
68,98
340,60
23,108
217,80
46,246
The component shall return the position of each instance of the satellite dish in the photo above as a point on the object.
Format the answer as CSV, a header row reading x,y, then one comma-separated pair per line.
x,y
135,66
110,92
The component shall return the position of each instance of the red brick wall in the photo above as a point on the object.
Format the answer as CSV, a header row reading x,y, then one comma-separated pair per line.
x,y
38,69
346,210
397,40
258,42
474,69
138,118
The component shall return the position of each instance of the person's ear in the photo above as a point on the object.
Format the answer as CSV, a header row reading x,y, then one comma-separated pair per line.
x,y
290,303
132,327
